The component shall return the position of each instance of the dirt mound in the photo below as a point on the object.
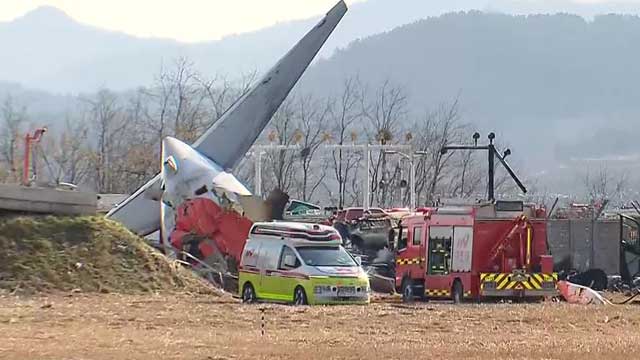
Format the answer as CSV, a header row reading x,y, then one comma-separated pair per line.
x,y
90,254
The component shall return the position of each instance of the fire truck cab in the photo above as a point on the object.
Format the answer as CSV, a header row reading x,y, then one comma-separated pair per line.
x,y
474,252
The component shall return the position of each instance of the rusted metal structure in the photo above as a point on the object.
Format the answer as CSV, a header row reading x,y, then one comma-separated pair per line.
x,y
29,141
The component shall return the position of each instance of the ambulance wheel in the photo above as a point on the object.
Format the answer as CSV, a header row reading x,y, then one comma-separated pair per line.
x,y
457,292
407,291
299,297
248,294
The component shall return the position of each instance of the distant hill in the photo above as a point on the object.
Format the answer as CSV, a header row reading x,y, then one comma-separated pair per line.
x,y
46,49
541,80
583,8
555,87
49,50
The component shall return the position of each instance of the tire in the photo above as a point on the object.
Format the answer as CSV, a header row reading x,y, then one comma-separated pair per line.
x,y
457,292
407,291
248,294
300,297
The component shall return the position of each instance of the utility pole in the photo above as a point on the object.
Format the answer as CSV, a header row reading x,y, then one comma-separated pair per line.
x,y
258,152
493,153
412,174
366,149
258,177
366,201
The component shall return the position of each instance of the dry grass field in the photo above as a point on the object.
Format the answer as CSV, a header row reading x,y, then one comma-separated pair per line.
x,y
110,326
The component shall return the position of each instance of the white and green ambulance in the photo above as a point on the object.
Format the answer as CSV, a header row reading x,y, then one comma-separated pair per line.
x,y
301,264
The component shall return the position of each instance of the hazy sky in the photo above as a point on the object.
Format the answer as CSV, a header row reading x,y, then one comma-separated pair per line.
x,y
190,20
187,20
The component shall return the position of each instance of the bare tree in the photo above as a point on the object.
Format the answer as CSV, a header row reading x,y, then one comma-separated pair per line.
x,y
13,120
312,116
438,129
281,162
384,112
179,97
109,127
343,114
70,154
222,93
466,177
605,186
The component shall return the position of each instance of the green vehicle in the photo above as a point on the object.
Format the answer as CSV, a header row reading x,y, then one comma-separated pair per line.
x,y
300,264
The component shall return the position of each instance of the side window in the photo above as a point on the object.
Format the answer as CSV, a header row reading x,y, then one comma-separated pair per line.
x,y
440,238
403,238
417,235
251,254
288,253
269,252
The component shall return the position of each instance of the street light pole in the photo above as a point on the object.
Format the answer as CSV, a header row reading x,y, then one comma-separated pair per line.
x,y
412,175
412,182
367,149
258,177
367,191
258,151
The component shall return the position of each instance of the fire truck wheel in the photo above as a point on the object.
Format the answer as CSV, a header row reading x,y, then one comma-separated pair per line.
x,y
407,291
457,292
248,294
299,296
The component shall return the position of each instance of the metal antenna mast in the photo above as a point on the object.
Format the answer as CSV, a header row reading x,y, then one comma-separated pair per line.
x,y
493,153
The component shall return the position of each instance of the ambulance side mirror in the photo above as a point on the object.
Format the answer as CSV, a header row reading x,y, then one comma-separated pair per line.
x,y
290,261
359,260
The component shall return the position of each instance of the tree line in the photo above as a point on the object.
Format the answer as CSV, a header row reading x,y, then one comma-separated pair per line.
x,y
110,142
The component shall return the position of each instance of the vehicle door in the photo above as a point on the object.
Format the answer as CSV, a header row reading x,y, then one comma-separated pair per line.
x,y
250,265
415,250
438,254
410,256
288,263
269,277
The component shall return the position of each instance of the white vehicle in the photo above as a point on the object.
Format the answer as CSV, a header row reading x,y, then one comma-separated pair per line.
x,y
301,264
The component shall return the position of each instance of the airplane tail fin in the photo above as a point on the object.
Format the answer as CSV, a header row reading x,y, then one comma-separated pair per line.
x,y
234,133
229,138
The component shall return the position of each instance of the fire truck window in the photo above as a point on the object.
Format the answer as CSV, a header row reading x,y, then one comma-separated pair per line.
x,y
417,236
403,239
440,238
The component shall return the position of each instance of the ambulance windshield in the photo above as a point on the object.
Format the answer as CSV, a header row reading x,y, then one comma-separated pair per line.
x,y
325,256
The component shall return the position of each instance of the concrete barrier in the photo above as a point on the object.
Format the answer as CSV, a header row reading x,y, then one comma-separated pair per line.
x,y
14,198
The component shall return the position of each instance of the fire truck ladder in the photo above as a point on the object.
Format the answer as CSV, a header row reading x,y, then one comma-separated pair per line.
x,y
522,229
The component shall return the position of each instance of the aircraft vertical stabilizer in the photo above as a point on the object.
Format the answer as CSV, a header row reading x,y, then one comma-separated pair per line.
x,y
229,138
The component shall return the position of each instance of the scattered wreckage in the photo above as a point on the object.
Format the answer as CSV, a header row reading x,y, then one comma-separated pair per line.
x,y
203,212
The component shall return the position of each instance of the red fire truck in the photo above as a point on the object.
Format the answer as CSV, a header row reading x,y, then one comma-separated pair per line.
x,y
474,252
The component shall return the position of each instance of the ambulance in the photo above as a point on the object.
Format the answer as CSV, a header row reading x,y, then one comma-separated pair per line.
x,y
300,264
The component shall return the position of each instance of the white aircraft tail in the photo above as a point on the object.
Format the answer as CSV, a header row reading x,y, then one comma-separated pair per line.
x,y
229,138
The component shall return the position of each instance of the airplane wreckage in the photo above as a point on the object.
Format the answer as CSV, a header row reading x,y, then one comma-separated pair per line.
x,y
204,213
